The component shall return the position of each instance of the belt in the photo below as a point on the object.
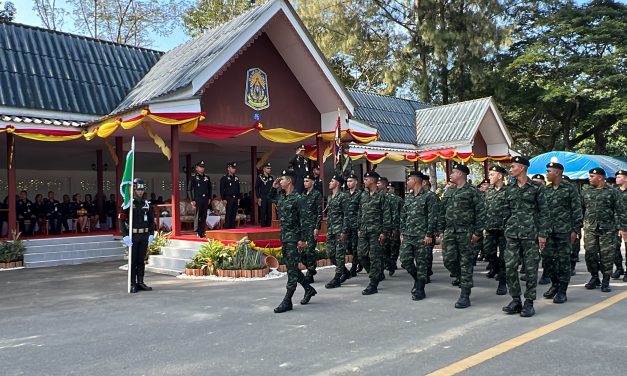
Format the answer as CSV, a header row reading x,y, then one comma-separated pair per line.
x,y
140,231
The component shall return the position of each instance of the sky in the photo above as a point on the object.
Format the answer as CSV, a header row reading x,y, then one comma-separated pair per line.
x,y
26,15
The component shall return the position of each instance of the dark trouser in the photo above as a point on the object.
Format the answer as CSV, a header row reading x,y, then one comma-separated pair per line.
x,y
291,256
265,213
64,221
200,221
556,257
600,246
618,257
458,256
494,249
351,244
26,228
370,250
429,250
231,212
530,256
574,253
392,250
299,184
138,264
54,224
337,252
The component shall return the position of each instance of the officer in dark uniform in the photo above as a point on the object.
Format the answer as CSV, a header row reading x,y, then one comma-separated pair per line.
x,y
25,215
262,191
199,192
142,234
299,163
52,211
317,182
229,191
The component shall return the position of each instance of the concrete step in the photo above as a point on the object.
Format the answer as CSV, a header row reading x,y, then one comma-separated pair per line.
x,y
150,268
30,249
42,264
170,263
184,253
189,244
80,255
68,240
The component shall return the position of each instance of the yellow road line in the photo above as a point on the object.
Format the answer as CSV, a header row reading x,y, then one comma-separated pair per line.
x,y
506,346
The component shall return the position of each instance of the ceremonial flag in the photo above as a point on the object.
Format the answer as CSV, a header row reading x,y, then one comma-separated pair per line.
x,y
337,148
126,190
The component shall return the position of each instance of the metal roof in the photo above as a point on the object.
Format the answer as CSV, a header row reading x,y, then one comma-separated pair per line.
x,y
394,118
452,123
50,70
178,67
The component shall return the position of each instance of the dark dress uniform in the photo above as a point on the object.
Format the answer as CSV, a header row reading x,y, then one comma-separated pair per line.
x,y
52,210
200,191
299,163
65,208
24,210
143,227
229,191
262,191
109,207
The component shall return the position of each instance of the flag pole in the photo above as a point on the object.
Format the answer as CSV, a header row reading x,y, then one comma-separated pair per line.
x,y
130,216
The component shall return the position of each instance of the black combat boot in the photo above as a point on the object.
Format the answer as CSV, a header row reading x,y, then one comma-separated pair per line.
x,y
456,282
360,267
625,278
550,293
309,293
335,282
286,304
142,286
464,298
346,274
354,269
382,276
491,274
502,288
544,280
605,285
515,306
133,288
617,273
593,282
560,297
415,278
392,267
419,293
527,309
309,276
371,289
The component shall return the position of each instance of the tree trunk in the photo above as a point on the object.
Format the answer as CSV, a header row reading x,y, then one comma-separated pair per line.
x,y
444,89
433,176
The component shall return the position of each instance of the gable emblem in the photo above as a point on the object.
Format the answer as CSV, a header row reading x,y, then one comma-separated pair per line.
x,y
257,96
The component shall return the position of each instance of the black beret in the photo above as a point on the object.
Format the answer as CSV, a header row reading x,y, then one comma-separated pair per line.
x,y
521,160
371,174
498,169
621,172
383,178
289,173
301,146
267,164
538,176
232,164
425,177
462,168
485,181
418,174
338,178
352,176
309,176
559,166
200,164
597,171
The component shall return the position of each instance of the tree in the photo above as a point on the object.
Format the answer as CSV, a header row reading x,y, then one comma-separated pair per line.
x,y
7,14
206,14
50,15
126,21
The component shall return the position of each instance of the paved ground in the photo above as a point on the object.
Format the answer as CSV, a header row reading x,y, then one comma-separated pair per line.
x,y
78,320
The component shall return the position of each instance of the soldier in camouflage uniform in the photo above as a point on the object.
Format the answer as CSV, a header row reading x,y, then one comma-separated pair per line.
x,y
293,235
461,217
374,224
418,226
382,184
494,238
392,245
604,217
312,218
352,211
565,222
621,186
525,232
544,279
426,186
477,249
336,231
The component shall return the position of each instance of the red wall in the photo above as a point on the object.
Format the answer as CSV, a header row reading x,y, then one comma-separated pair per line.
x,y
290,107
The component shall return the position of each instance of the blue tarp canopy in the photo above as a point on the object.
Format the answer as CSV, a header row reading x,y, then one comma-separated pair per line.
x,y
576,166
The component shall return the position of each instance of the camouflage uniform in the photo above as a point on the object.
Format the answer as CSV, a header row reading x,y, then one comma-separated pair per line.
x,y
336,225
312,218
565,218
418,220
618,258
527,219
604,215
352,219
392,243
478,247
496,214
374,220
461,215
429,248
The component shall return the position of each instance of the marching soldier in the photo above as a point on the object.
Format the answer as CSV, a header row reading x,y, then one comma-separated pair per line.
x,y
336,231
229,192
525,232
496,214
426,187
461,218
418,222
374,224
199,191
382,184
352,215
299,164
395,240
544,279
311,204
565,222
293,235
53,214
604,216
478,249
621,186
142,231
262,191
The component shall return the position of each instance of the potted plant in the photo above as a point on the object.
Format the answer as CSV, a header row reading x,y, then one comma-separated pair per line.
x,y
12,251
244,262
195,267
162,239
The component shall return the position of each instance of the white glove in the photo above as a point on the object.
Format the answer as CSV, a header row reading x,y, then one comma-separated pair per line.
x,y
151,239
127,240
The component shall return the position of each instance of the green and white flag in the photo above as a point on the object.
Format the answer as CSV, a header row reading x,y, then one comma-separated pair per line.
x,y
126,187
